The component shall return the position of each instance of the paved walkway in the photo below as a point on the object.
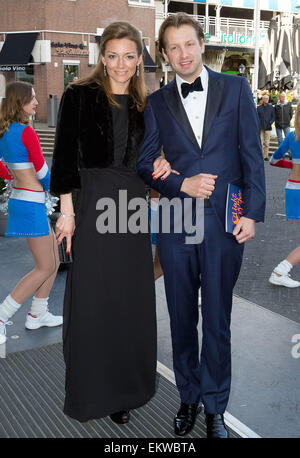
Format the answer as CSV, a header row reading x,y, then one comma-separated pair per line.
x,y
265,323
265,375
273,242
265,386
32,399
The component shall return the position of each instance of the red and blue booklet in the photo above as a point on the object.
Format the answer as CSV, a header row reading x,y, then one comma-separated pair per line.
x,y
234,206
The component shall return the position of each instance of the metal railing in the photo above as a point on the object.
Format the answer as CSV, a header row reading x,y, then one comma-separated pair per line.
x,y
216,26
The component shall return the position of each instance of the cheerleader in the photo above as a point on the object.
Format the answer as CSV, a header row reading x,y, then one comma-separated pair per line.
x,y
21,159
281,274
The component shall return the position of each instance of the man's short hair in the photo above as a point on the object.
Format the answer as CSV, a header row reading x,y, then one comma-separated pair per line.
x,y
177,20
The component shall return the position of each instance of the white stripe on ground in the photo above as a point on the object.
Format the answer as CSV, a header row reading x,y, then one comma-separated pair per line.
x,y
232,422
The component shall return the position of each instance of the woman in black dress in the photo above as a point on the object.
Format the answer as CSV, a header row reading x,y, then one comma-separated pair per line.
x,y
109,333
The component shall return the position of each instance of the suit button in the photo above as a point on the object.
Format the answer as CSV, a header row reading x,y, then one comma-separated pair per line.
x,y
202,156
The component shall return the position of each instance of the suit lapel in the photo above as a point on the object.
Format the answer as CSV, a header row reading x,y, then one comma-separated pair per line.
x,y
173,101
214,99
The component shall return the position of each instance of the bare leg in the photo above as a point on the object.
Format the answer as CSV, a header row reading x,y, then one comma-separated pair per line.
x,y
41,278
281,273
158,272
45,289
294,256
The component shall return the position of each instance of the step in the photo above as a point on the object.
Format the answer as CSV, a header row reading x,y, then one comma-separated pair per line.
x,y
47,140
45,137
46,134
46,130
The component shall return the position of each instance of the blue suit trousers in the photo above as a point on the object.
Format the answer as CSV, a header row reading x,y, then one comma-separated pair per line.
x,y
214,265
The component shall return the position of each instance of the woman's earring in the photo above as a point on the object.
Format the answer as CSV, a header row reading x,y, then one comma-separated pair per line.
x,y
137,71
105,71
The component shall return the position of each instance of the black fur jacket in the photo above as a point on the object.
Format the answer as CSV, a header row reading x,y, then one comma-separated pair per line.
x,y
84,136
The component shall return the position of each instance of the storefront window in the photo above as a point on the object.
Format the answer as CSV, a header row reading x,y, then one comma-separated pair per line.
x,y
26,75
70,72
141,2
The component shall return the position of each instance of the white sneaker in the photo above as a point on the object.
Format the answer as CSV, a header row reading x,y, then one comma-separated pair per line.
x,y
47,319
283,280
3,330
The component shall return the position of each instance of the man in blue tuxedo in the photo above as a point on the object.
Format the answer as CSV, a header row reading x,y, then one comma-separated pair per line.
x,y
207,125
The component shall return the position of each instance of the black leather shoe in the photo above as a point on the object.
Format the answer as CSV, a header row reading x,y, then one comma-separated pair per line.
x,y
121,417
185,418
215,425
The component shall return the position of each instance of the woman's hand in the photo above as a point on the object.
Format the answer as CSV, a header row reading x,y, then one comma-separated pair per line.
x,y
162,169
65,227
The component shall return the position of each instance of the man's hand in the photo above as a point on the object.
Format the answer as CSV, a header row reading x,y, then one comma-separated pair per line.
x,y
201,185
244,230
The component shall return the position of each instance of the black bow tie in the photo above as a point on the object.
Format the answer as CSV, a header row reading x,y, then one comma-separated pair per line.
x,y
186,88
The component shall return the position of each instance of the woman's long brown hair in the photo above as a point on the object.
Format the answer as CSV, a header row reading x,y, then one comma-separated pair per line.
x,y
17,94
137,88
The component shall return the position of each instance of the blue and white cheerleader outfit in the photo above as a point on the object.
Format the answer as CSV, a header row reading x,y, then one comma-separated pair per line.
x,y
20,149
292,188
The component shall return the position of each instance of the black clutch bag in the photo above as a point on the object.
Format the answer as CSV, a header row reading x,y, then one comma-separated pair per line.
x,y
64,257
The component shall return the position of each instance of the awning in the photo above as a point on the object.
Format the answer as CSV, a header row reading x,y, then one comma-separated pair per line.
x,y
149,65
17,48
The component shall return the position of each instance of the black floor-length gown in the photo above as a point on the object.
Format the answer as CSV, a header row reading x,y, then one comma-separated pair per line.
x,y
109,331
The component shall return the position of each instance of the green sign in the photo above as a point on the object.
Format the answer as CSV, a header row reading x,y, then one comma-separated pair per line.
x,y
237,38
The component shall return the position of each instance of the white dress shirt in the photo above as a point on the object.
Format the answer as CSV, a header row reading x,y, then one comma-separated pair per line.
x,y
195,103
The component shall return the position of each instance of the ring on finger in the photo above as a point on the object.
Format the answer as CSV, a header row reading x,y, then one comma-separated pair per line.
x,y
166,167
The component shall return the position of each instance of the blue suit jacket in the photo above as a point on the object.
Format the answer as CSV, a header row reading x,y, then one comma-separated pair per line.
x,y
230,148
